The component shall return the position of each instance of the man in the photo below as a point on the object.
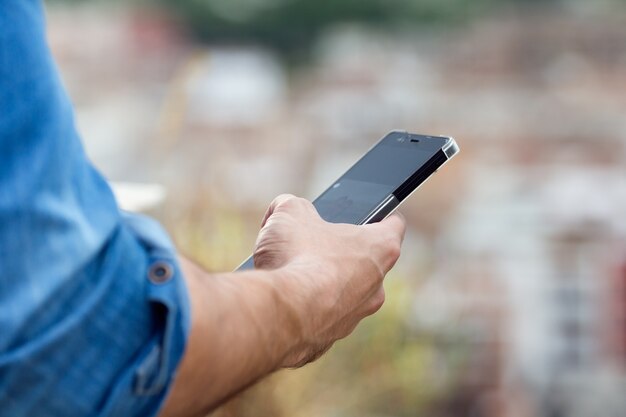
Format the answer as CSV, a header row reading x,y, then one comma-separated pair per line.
x,y
98,315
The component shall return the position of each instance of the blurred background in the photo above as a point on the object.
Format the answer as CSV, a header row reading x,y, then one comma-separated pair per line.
x,y
510,297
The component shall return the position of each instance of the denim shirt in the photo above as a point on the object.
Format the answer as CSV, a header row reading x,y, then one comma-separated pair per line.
x,y
94,314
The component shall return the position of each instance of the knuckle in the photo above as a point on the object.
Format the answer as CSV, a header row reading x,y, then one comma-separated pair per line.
x,y
379,299
400,229
389,254
377,302
285,196
391,248
290,203
262,257
271,227
394,250
298,205
285,200
303,202
375,269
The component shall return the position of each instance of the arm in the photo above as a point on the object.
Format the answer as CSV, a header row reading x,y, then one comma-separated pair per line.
x,y
315,281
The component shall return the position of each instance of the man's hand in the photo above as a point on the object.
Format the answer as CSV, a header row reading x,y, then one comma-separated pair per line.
x,y
334,271
314,282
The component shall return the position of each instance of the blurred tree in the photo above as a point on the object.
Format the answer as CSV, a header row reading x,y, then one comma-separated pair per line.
x,y
292,25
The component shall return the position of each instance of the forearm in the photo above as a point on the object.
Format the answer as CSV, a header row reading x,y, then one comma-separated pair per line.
x,y
241,331
320,280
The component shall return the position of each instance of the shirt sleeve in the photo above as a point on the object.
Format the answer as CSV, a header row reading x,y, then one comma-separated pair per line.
x,y
94,313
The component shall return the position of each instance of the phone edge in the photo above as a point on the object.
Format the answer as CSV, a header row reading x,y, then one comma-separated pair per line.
x,y
391,203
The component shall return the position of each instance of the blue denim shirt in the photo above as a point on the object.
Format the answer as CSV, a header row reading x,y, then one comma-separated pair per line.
x,y
94,315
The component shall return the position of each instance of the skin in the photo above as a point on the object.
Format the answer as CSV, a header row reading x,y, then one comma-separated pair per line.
x,y
314,282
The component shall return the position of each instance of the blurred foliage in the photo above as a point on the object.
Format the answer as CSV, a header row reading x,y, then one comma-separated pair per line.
x,y
292,26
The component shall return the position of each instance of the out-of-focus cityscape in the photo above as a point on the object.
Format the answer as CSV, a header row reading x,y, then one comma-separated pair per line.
x,y
510,297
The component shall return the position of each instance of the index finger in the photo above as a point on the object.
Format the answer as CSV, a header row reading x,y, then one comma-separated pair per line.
x,y
281,199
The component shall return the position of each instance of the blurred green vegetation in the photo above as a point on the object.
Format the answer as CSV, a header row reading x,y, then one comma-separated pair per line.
x,y
292,26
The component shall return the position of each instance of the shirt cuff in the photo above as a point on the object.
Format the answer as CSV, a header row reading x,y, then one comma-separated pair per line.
x,y
151,377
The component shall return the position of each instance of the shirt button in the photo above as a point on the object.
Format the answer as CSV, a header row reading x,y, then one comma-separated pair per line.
x,y
160,272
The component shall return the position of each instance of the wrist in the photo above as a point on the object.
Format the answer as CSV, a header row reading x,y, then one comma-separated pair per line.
x,y
305,306
291,314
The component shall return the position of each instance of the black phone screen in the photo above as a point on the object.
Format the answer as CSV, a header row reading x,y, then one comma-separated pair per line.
x,y
382,170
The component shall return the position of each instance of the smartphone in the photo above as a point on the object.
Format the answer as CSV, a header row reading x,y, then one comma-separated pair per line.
x,y
382,179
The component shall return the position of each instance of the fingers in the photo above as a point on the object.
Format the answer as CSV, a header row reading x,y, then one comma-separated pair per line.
x,y
287,202
389,234
376,302
385,237
392,228
396,223
274,204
